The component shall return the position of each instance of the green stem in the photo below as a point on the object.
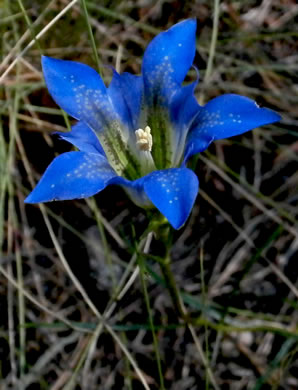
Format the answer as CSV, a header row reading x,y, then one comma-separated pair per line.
x,y
151,323
30,26
211,50
91,36
165,266
163,233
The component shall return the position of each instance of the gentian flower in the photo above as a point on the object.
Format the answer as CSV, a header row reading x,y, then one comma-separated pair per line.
x,y
140,131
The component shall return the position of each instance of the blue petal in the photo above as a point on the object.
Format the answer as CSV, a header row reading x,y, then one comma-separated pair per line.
x,y
196,145
125,92
83,138
79,90
135,190
167,60
184,109
72,175
173,192
184,106
225,116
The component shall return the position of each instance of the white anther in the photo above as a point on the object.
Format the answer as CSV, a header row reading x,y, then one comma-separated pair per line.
x,y
144,139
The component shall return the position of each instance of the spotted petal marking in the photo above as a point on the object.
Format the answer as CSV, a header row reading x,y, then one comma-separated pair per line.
x,y
79,90
72,175
173,192
167,60
225,116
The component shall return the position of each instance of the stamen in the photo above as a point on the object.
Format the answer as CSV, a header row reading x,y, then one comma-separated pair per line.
x,y
144,139
144,145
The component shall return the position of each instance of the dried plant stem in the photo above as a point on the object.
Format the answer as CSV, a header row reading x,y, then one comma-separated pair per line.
x,y
142,268
39,35
182,312
163,233
28,21
211,50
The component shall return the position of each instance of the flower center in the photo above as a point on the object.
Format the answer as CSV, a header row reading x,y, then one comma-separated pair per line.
x,y
144,145
144,139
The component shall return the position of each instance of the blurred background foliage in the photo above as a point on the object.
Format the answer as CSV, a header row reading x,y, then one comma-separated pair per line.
x,y
73,314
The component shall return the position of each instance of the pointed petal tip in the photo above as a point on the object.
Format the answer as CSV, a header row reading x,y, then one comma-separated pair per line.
x,y
275,117
37,196
28,200
267,116
72,175
167,60
45,60
32,198
229,115
191,22
187,28
48,63
77,89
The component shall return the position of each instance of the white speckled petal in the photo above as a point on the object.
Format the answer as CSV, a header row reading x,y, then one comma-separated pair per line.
x,y
79,90
173,192
167,60
72,175
225,116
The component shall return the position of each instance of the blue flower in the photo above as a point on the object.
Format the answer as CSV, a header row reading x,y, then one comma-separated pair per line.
x,y
140,131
